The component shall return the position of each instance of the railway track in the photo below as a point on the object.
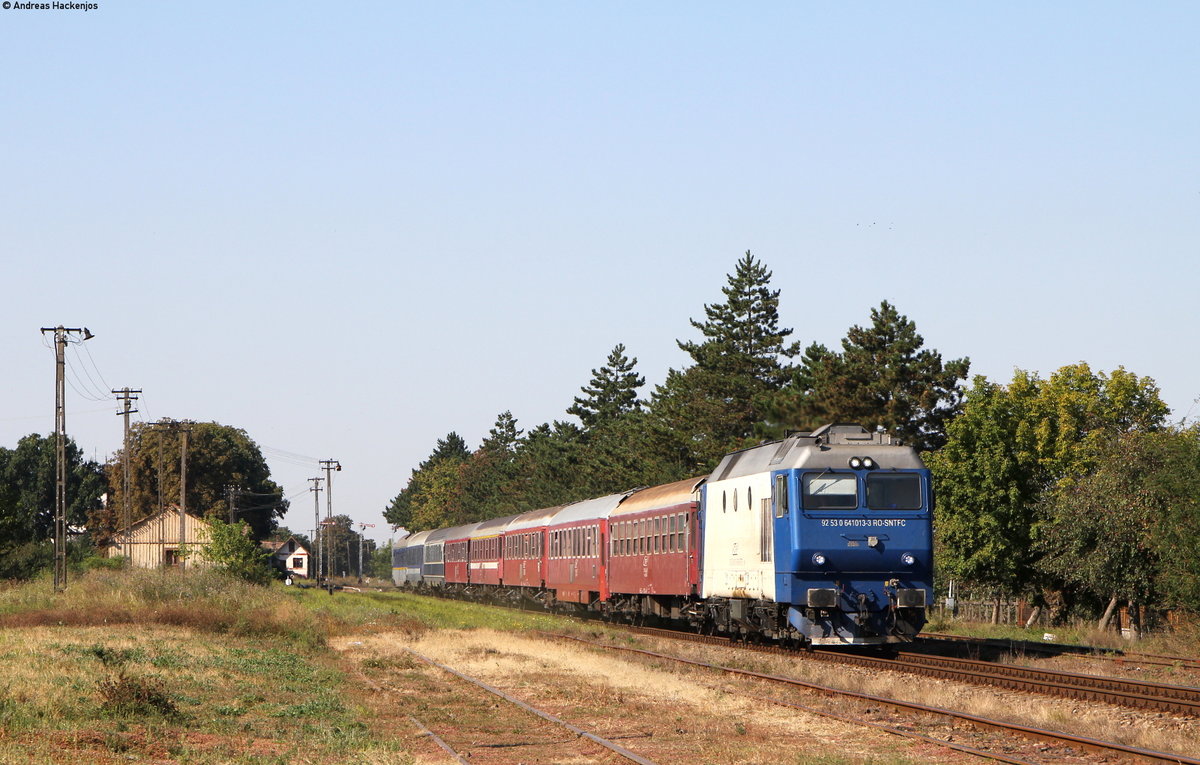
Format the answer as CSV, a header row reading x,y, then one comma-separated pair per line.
x,y
611,746
1105,749
1157,697
1057,649
458,756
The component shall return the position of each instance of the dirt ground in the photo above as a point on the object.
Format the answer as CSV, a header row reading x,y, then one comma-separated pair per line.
x,y
663,713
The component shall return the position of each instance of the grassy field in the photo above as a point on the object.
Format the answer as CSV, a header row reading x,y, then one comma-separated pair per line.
x,y
154,667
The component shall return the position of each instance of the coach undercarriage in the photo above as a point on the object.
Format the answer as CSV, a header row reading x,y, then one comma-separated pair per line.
x,y
742,619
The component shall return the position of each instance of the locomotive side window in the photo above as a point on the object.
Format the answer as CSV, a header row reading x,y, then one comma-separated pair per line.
x,y
830,491
894,491
781,496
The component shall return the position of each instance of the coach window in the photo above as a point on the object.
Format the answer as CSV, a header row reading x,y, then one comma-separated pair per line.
x,y
894,491
830,491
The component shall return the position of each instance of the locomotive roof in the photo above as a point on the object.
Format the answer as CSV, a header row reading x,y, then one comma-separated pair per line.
x,y
667,495
589,509
830,446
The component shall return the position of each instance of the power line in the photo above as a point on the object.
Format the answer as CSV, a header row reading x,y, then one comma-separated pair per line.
x,y
94,366
93,386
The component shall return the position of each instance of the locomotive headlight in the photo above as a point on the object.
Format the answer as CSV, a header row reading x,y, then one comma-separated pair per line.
x,y
818,559
908,559
855,463
868,463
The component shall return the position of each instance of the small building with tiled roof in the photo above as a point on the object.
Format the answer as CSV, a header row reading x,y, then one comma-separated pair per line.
x,y
289,556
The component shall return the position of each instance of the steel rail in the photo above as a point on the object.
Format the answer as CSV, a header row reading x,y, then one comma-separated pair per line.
x,y
898,732
1084,652
617,748
1107,748
438,740
1141,695
1158,697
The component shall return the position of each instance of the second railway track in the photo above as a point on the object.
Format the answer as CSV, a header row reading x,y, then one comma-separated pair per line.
x,y
1105,749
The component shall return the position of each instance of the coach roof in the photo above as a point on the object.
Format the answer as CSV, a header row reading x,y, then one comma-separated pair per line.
x,y
588,509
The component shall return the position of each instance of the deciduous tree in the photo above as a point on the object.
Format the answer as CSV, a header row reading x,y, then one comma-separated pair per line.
x,y
1014,446
28,478
218,457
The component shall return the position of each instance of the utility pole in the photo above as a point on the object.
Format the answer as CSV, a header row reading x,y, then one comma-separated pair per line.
x,y
361,527
316,490
329,466
126,396
62,336
184,430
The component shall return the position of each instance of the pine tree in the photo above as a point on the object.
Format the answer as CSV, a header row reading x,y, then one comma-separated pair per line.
x,y
612,392
488,477
715,406
882,377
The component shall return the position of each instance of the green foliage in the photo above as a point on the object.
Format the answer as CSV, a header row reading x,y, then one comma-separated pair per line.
x,y
233,550
488,478
882,377
27,501
1130,528
612,392
218,457
1014,446
715,406
379,564
432,492
341,547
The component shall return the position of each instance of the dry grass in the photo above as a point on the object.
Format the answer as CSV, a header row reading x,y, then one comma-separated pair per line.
x,y
668,714
1147,730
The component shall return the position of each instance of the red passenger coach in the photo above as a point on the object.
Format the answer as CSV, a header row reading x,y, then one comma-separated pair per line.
x,y
457,555
485,551
654,565
576,565
524,563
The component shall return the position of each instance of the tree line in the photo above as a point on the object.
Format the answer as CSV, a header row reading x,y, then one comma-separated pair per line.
x,y
1073,491
228,481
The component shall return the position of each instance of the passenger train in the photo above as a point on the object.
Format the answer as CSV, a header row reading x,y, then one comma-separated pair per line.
x,y
823,538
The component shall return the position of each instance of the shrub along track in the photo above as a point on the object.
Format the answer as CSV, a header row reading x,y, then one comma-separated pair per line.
x,y
1103,748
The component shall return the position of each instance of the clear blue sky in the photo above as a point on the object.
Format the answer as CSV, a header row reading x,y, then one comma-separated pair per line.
x,y
350,228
